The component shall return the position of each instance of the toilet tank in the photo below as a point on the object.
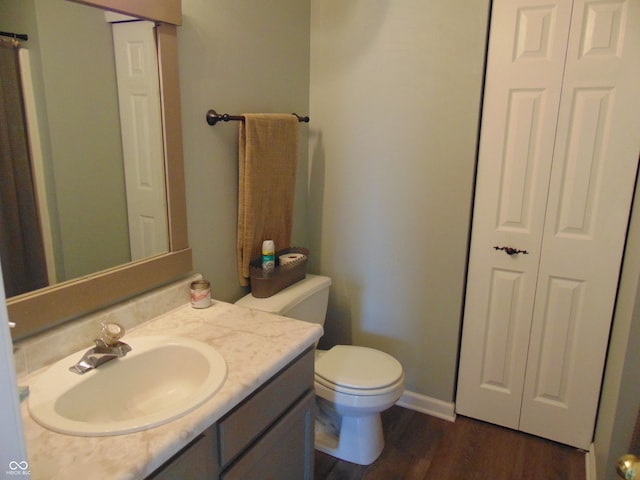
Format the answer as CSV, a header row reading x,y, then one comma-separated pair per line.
x,y
305,300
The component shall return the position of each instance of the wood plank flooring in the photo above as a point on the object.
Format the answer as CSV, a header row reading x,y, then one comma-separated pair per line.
x,y
420,447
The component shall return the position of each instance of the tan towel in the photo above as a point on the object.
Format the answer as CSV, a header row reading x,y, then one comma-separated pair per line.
x,y
267,156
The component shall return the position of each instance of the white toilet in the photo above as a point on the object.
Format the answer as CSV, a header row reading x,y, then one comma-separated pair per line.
x,y
353,384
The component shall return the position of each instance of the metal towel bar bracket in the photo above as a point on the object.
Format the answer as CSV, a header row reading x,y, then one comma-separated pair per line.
x,y
214,117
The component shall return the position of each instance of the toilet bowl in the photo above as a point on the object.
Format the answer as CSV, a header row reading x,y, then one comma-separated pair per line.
x,y
358,383
353,384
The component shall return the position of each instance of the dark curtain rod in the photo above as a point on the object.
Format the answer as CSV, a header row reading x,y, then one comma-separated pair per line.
x,y
214,117
19,36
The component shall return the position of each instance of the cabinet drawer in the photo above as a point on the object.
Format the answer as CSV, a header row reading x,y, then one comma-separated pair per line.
x,y
284,452
194,462
251,418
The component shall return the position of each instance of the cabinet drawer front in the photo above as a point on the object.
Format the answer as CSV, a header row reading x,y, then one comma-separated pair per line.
x,y
284,452
194,462
256,414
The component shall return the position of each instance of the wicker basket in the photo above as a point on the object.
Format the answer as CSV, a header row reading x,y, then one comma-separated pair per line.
x,y
265,285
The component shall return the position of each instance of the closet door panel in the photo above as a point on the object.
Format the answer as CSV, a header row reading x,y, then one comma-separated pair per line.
x,y
590,193
524,74
500,364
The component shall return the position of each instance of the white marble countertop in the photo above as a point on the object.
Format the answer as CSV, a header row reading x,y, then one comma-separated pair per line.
x,y
255,345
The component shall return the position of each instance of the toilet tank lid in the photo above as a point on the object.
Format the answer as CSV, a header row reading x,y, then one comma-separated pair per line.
x,y
284,300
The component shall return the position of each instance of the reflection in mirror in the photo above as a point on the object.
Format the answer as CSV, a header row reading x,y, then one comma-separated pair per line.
x,y
42,309
92,146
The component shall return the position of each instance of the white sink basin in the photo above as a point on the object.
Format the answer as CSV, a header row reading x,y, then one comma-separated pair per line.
x,y
161,379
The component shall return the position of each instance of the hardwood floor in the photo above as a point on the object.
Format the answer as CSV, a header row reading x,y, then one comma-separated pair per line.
x,y
420,447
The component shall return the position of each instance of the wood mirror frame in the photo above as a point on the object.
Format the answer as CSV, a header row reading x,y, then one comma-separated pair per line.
x,y
36,311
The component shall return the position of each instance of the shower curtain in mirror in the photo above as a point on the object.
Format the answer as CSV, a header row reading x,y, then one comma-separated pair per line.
x,y
21,247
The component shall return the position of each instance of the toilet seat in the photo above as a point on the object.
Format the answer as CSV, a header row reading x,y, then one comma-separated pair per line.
x,y
358,371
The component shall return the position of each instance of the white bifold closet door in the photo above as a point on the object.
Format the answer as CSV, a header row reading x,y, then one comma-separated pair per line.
x,y
559,149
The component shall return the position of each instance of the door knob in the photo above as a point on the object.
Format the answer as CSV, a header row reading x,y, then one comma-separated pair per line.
x,y
511,250
628,466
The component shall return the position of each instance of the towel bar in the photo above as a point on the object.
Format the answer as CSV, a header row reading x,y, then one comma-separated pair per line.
x,y
214,117
17,36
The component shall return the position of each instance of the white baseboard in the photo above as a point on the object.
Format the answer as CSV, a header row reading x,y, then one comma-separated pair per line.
x,y
430,406
590,463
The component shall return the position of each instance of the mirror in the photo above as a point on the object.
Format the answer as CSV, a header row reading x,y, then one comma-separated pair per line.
x,y
98,172
41,309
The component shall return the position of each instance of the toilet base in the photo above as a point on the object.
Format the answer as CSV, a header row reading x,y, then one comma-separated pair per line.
x,y
360,440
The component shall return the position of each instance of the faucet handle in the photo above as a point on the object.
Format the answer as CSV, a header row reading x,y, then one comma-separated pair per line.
x,y
111,333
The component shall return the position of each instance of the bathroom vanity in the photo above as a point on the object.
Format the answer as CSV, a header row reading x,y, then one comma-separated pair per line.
x,y
269,435
258,425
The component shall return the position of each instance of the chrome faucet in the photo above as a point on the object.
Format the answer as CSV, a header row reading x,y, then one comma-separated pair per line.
x,y
108,347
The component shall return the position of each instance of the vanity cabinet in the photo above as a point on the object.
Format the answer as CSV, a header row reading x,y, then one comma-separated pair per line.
x,y
269,435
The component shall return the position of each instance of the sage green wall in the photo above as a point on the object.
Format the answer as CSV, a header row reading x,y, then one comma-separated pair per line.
x,y
236,57
395,101
384,199
620,397
78,75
